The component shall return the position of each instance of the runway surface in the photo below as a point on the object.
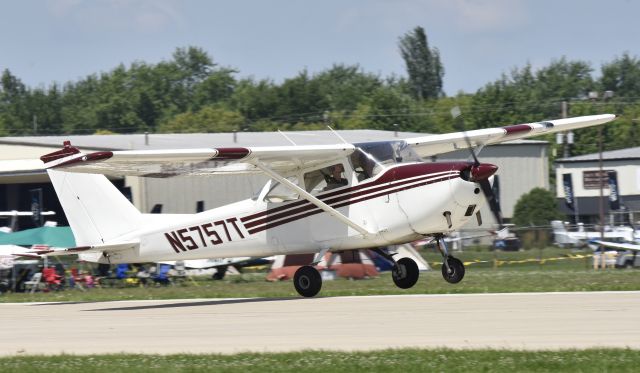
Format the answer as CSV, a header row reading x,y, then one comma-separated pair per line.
x,y
512,321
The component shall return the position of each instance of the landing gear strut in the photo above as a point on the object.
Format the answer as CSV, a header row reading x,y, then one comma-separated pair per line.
x,y
405,271
452,268
307,281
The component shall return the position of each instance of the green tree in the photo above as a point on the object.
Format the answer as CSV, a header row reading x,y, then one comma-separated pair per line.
x,y
301,100
622,76
256,101
344,87
423,64
14,113
538,207
208,119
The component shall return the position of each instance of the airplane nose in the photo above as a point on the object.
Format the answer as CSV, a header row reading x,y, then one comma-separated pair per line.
x,y
482,171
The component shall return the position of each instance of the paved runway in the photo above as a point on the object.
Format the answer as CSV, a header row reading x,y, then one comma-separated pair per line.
x,y
513,321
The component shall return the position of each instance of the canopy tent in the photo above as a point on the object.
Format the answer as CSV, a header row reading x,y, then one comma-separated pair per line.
x,y
50,236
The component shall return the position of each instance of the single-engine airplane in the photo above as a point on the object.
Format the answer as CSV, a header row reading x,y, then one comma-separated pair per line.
x,y
629,258
318,199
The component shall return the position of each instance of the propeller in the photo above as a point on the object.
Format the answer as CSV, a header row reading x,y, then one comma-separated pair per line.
x,y
480,172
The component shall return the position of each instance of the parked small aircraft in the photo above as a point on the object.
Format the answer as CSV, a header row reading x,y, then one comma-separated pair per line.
x,y
14,215
222,264
628,258
319,198
581,235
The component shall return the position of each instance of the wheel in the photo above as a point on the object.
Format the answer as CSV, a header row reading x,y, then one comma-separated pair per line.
x,y
456,273
405,273
307,281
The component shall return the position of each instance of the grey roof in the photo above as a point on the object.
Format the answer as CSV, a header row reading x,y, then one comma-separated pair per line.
x,y
628,153
209,140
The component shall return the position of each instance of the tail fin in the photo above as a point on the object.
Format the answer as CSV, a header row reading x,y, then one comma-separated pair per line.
x,y
96,210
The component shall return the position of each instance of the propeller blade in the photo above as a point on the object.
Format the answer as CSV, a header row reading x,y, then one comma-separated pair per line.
x,y
481,173
476,162
485,185
456,113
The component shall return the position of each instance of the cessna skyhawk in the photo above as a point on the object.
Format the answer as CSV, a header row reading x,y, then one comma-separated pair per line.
x,y
318,199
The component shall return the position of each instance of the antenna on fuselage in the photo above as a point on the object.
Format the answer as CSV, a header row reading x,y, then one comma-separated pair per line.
x,y
338,135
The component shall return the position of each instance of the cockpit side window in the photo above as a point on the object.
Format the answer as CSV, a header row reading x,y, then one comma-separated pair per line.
x,y
325,179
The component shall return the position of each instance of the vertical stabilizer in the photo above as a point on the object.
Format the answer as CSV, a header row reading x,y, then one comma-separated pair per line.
x,y
97,212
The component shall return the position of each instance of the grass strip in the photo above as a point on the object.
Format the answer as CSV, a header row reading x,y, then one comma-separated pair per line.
x,y
396,360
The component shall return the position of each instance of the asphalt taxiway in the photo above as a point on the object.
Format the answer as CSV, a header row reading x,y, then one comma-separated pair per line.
x,y
506,321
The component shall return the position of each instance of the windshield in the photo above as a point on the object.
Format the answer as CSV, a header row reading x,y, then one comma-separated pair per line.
x,y
371,158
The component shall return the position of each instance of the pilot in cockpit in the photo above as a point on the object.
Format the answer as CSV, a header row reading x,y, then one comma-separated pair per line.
x,y
335,179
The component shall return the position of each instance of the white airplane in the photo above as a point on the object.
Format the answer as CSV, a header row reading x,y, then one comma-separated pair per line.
x,y
581,237
319,198
222,264
629,258
14,214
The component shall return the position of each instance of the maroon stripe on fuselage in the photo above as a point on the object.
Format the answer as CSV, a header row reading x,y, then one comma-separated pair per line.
x,y
91,157
393,174
349,202
517,129
227,154
329,201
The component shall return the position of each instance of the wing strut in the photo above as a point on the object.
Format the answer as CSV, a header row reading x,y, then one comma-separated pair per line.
x,y
321,205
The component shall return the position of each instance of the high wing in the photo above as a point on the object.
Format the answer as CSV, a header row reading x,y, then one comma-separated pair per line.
x,y
284,159
210,161
618,245
427,146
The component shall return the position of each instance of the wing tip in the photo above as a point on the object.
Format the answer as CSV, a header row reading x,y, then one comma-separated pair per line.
x,y
67,150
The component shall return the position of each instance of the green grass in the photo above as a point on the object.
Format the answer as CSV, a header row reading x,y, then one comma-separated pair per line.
x,y
400,360
483,277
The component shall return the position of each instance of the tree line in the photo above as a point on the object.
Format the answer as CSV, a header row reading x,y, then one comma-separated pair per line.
x,y
190,92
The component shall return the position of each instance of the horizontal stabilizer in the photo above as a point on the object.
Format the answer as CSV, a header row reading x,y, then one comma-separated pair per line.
x,y
103,249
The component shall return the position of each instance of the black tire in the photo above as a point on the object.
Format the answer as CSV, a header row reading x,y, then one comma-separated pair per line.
x,y
457,270
307,281
405,273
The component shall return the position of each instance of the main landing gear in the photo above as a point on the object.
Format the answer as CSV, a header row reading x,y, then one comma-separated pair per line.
x,y
452,268
307,281
405,271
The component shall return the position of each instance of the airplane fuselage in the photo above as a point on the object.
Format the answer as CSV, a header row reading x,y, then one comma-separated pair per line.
x,y
401,204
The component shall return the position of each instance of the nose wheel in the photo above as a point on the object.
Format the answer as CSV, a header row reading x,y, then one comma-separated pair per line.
x,y
307,281
453,272
405,273
452,268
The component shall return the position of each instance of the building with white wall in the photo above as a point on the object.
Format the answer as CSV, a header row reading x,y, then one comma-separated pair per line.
x,y
585,175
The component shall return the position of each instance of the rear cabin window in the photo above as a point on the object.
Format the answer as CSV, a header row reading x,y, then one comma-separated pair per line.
x,y
281,193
